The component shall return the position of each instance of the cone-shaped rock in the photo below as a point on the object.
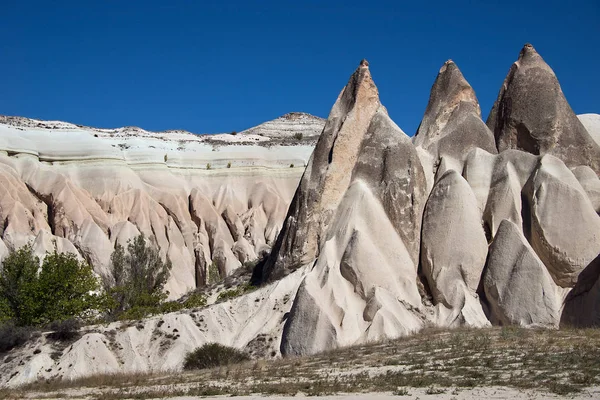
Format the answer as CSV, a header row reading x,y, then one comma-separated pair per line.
x,y
365,230
517,285
327,175
532,114
452,124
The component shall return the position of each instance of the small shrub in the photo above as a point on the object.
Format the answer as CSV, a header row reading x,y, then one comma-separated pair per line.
x,y
434,390
207,165
213,273
12,336
233,133
229,165
195,300
291,165
235,292
401,392
65,330
298,135
213,355
170,306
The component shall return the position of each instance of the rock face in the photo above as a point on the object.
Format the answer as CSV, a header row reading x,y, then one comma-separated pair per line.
x,y
362,285
293,125
532,114
452,125
202,200
591,122
326,177
454,248
567,238
517,285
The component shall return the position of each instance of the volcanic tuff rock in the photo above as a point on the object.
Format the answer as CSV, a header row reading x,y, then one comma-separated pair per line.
x,y
454,248
591,122
452,124
382,238
532,114
201,199
363,282
326,177
290,125
517,285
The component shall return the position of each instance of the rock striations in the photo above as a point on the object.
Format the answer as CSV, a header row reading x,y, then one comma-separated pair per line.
x,y
202,200
467,224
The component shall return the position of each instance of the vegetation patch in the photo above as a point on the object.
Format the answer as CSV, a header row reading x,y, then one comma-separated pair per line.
x,y
213,355
235,292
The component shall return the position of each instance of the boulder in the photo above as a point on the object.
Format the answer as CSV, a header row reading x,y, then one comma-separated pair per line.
x,y
560,221
517,285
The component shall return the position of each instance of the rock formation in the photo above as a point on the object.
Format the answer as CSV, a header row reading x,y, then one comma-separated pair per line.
x,y
532,114
202,200
452,125
326,177
384,235
517,285
363,282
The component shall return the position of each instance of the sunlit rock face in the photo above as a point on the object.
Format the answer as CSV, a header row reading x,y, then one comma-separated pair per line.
x,y
201,199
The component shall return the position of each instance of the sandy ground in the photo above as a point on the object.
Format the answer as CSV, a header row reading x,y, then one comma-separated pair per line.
x,y
487,393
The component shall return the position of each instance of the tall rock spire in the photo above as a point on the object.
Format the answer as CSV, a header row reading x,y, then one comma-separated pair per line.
x,y
532,114
452,123
327,175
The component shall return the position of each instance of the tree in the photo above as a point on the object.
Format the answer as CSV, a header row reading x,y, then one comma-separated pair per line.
x,y
18,281
64,288
139,278
67,288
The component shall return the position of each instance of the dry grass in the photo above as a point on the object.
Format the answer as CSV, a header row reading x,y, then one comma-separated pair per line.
x,y
562,362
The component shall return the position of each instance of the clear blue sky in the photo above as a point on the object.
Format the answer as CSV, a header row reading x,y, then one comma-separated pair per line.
x,y
217,66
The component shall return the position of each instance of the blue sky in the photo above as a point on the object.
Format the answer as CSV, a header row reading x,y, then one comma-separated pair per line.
x,y
217,66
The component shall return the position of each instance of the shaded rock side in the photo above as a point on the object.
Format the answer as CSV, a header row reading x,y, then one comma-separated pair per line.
x,y
326,177
582,305
452,123
517,285
532,114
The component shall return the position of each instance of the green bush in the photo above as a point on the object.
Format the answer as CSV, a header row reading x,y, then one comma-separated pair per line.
x,y
195,300
64,288
139,279
213,355
208,166
65,330
235,292
298,135
12,336
229,164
